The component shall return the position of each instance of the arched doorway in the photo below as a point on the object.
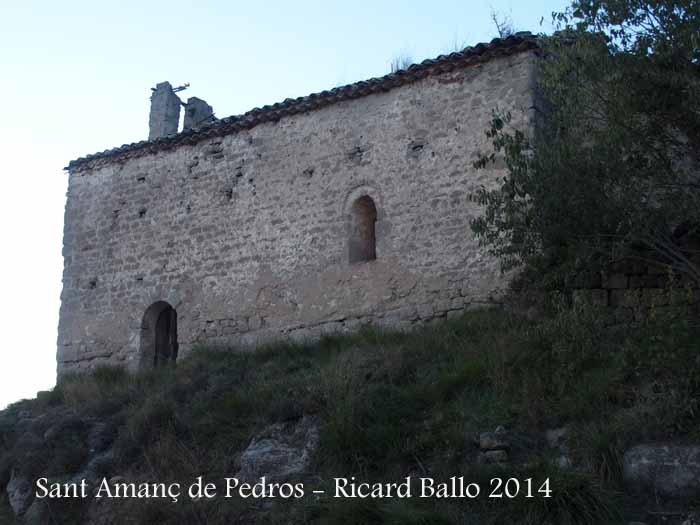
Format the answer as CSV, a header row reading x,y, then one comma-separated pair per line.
x,y
159,336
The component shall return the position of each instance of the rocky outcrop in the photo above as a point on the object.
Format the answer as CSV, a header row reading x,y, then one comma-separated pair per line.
x,y
494,446
19,493
281,450
59,444
38,513
558,440
666,470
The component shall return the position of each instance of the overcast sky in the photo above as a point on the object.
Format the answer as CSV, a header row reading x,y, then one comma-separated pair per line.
x,y
76,77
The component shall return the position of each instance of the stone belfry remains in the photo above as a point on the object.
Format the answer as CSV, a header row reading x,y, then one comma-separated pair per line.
x,y
313,216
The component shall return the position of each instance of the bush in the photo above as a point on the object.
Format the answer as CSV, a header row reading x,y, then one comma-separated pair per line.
x,y
611,168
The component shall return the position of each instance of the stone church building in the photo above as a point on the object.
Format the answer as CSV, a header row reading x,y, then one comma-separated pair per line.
x,y
313,216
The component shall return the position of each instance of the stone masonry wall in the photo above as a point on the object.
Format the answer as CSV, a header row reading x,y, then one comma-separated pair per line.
x,y
633,291
246,236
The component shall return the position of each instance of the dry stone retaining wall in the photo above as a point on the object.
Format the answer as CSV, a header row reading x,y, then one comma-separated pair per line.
x,y
634,291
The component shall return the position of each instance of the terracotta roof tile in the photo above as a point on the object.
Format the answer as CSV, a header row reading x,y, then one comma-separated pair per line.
x,y
479,53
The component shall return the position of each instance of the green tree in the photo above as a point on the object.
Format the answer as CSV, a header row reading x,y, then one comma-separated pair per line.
x,y
612,168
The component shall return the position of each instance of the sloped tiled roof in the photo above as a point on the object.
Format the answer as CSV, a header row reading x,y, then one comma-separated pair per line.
x,y
479,53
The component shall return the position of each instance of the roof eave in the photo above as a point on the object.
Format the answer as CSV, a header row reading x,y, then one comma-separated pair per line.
x,y
498,47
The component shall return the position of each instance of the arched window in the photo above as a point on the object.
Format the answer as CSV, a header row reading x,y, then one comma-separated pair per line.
x,y
363,242
159,335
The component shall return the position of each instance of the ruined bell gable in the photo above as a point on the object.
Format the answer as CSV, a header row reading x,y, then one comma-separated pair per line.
x,y
313,216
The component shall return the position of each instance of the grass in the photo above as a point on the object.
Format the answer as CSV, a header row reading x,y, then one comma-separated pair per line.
x,y
391,405
399,62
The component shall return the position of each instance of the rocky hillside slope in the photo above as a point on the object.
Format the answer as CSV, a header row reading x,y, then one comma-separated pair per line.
x,y
595,423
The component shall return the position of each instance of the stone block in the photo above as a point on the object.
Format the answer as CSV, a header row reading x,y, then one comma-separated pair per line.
x,y
623,315
654,297
300,335
637,267
331,328
586,279
657,269
67,353
628,266
615,281
425,311
407,313
457,304
497,440
628,298
590,297
671,471
443,306
644,281
492,457
353,324
557,437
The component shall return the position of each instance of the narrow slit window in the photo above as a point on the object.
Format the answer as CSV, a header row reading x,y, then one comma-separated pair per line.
x,y
363,242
